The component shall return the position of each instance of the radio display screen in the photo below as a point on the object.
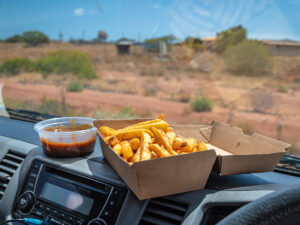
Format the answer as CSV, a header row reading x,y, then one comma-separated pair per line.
x,y
67,198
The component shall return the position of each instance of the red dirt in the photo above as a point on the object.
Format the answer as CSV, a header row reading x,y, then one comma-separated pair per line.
x,y
175,111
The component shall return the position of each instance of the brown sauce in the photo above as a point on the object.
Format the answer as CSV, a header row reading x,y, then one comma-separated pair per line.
x,y
68,149
60,149
72,127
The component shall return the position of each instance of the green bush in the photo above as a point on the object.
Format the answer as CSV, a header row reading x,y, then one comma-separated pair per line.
x,y
282,89
54,107
62,61
14,66
125,112
202,104
194,43
229,38
248,58
34,38
15,38
75,86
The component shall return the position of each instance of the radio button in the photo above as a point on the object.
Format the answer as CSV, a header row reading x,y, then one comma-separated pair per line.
x,y
78,221
55,221
69,218
36,165
41,206
33,175
54,212
62,215
37,212
30,184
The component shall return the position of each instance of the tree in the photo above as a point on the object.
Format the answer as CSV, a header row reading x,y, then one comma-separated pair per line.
x,y
230,37
15,38
102,35
194,43
34,38
168,39
248,58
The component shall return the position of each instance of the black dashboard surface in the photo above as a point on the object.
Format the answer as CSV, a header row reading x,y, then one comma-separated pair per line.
x,y
231,191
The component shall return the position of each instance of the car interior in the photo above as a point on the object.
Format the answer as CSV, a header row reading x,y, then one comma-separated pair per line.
x,y
191,112
25,169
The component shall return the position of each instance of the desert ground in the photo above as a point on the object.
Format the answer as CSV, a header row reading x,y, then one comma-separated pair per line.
x,y
151,85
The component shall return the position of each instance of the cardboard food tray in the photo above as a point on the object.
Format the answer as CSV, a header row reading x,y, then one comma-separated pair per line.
x,y
237,152
161,176
231,152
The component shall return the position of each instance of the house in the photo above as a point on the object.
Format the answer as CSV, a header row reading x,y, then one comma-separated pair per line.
x,y
209,42
123,46
283,48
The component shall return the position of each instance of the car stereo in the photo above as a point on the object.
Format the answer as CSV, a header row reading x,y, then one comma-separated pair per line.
x,y
61,197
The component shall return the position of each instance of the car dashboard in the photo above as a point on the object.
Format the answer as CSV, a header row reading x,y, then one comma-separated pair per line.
x,y
86,190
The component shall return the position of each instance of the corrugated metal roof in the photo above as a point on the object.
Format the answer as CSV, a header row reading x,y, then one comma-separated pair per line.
x,y
283,43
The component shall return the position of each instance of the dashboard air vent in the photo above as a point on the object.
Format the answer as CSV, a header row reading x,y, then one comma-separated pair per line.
x,y
8,166
163,211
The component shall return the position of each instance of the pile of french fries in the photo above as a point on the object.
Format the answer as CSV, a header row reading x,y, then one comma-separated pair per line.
x,y
148,140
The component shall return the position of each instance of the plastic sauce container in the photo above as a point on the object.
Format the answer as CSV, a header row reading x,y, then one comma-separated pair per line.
x,y
67,136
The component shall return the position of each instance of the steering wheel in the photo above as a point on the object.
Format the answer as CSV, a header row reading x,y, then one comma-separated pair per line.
x,y
278,208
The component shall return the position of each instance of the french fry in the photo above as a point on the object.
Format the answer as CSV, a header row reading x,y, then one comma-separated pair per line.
x,y
171,136
159,125
126,149
170,129
135,143
143,123
118,149
107,131
136,156
154,155
189,145
178,141
160,151
201,146
130,134
161,116
163,139
148,140
113,141
145,151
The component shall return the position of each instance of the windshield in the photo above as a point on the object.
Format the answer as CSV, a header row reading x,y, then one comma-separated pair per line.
x,y
195,61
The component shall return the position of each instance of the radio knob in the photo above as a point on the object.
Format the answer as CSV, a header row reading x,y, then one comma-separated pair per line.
x,y
97,221
26,202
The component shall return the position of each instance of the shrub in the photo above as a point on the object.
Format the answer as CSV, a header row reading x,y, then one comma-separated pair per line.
x,y
34,38
55,108
194,43
229,38
184,97
15,66
282,89
74,86
262,101
248,58
202,104
63,61
125,112
15,38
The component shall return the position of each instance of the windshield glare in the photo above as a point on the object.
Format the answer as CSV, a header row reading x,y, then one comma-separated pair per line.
x,y
194,61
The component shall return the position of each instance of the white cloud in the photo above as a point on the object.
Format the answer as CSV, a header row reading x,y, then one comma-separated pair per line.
x,y
79,12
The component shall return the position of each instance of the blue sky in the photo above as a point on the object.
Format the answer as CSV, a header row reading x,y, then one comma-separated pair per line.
x,y
140,19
